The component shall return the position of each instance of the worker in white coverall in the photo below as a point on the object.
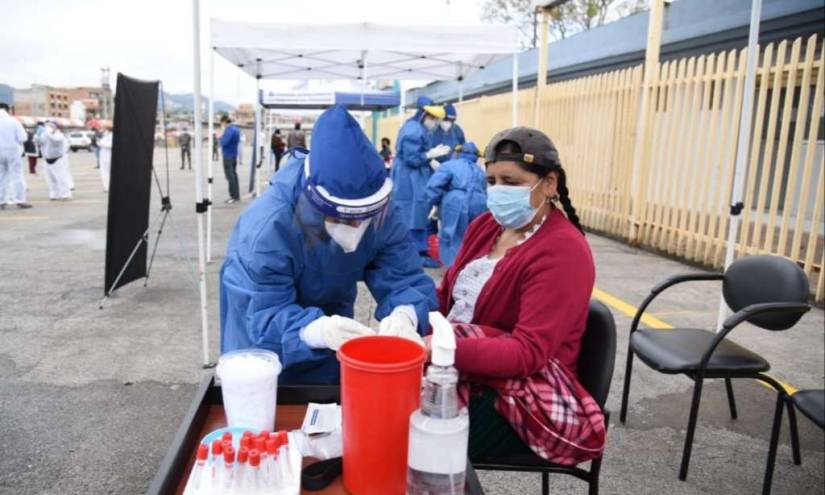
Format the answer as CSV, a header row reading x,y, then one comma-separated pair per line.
x,y
55,146
12,137
105,143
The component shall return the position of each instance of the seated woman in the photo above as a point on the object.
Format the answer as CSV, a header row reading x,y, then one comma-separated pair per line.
x,y
518,296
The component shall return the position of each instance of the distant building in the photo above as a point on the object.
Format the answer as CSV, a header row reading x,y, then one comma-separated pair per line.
x,y
97,100
245,114
42,101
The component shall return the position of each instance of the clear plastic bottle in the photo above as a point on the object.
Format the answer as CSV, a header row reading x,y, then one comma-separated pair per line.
x,y
439,431
200,477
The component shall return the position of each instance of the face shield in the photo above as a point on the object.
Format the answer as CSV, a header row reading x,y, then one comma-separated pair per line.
x,y
339,225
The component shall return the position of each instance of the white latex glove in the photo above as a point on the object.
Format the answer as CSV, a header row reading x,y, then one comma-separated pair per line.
x,y
332,331
433,214
438,151
435,164
400,324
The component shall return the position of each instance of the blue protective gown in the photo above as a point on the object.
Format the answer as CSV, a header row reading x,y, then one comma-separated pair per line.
x,y
451,138
281,272
410,172
459,190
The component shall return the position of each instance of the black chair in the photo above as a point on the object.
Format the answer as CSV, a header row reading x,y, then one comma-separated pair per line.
x,y
812,405
767,291
595,369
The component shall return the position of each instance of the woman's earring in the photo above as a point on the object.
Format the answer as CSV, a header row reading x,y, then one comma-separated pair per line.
x,y
552,199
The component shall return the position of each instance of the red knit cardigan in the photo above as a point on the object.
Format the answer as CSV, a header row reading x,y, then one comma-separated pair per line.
x,y
535,304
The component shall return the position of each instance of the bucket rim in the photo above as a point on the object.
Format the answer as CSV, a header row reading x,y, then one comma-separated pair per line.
x,y
381,367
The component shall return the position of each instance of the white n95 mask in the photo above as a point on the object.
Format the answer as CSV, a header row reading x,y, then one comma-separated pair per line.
x,y
346,236
446,125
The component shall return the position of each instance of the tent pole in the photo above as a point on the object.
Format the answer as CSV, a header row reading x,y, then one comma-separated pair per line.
x,y
515,89
541,76
209,146
201,206
460,82
742,147
258,114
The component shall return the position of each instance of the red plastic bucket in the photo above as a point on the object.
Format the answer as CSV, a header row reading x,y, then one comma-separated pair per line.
x,y
380,388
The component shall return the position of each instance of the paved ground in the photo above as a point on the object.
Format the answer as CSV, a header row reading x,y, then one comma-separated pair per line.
x,y
90,399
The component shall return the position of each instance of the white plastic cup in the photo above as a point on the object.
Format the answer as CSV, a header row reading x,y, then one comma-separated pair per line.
x,y
249,384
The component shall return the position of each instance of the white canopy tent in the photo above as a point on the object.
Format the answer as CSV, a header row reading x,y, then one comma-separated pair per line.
x,y
339,51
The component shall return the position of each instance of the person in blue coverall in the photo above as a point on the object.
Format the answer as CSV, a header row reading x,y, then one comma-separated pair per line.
x,y
448,131
412,169
458,189
288,283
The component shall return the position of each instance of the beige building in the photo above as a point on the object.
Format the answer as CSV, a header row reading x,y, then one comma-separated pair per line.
x,y
97,100
42,101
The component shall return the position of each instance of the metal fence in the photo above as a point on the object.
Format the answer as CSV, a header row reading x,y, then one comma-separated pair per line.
x,y
668,187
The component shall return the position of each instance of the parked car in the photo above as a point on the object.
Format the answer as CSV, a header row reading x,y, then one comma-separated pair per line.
x,y
80,140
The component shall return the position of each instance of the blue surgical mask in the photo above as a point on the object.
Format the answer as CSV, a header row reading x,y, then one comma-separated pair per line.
x,y
510,205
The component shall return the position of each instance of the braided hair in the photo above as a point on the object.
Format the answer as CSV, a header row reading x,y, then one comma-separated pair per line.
x,y
542,172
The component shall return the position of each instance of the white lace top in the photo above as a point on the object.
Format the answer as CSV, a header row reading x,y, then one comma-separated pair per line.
x,y
472,279
468,286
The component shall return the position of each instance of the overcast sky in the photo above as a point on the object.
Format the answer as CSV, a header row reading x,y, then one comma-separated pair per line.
x,y
64,43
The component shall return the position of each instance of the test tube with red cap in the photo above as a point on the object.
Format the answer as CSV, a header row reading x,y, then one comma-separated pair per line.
x,y
241,469
273,477
283,446
254,479
227,473
217,458
199,478
259,444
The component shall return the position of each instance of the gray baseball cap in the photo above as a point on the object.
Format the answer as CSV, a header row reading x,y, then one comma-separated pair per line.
x,y
535,148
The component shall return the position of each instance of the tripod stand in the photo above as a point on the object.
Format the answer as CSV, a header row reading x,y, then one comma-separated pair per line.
x,y
163,217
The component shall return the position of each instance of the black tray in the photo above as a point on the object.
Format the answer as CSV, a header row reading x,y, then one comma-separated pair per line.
x,y
207,408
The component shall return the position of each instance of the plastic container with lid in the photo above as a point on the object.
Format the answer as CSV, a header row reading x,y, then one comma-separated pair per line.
x,y
249,383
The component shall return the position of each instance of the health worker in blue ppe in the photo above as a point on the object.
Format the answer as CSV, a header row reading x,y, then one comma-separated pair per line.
x,y
411,170
326,222
448,132
457,192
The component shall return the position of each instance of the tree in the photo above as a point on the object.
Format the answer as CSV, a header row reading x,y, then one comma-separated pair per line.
x,y
520,13
570,18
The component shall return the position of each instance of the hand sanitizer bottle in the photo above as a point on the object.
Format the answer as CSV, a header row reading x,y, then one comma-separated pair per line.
x,y
437,456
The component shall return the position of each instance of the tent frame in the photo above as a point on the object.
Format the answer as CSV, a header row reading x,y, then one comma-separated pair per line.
x,y
203,202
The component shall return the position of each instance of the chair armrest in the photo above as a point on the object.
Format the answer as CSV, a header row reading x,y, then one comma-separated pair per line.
x,y
743,314
757,309
688,277
659,288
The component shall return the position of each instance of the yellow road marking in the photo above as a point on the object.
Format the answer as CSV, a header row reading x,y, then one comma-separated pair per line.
x,y
628,309
653,322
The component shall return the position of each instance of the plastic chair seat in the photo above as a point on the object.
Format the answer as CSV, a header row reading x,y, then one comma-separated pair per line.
x,y
812,405
680,350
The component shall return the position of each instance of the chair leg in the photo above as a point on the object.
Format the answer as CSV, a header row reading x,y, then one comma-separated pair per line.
x,y
731,398
626,390
777,426
545,483
694,413
593,483
797,456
